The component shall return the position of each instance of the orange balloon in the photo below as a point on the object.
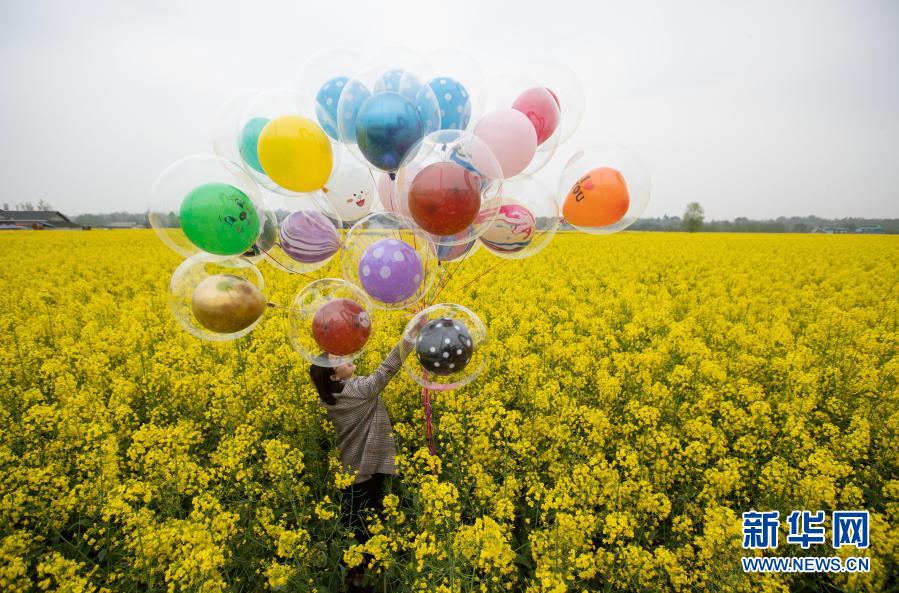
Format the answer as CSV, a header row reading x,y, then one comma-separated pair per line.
x,y
598,199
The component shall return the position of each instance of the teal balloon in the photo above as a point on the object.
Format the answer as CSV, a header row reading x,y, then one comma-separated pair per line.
x,y
220,219
249,140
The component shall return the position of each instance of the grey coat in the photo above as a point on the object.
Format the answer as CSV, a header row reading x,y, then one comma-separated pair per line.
x,y
364,432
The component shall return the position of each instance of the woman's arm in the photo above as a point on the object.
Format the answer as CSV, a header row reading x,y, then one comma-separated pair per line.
x,y
372,385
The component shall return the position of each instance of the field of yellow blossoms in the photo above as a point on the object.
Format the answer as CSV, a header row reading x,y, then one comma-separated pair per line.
x,y
644,390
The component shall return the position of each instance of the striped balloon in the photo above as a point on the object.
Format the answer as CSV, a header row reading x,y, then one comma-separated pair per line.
x,y
309,237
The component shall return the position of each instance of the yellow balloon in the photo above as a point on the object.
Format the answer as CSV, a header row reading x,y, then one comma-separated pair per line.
x,y
295,153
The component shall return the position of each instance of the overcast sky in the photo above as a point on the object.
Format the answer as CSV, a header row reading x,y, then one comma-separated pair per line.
x,y
755,109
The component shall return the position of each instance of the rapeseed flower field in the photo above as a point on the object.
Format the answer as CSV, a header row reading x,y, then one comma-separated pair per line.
x,y
643,391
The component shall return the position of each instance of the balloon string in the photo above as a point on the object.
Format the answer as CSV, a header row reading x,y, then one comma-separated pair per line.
x,y
427,397
449,277
479,276
275,262
272,305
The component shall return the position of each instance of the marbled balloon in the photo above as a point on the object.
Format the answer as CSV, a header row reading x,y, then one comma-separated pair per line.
x,y
511,231
309,237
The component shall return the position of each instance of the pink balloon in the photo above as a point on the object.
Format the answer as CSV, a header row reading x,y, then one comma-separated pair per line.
x,y
387,193
511,137
541,106
393,200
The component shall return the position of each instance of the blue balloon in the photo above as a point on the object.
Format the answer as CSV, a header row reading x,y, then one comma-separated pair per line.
x,y
248,142
429,109
398,81
454,102
326,100
351,99
387,126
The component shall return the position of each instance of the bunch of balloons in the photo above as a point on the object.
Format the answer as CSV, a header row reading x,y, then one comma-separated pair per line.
x,y
400,164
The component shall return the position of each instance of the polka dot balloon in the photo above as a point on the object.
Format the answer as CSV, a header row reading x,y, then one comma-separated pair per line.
x,y
445,347
392,264
390,270
454,102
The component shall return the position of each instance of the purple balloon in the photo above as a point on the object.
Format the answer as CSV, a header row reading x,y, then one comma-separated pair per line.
x,y
390,271
308,236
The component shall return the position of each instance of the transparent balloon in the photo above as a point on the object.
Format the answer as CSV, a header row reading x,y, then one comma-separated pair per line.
x,y
450,188
603,189
330,322
322,78
281,144
220,204
267,239
391,263
384,111
227,125
460,87
445,347
527,221
217,299
308,234
526,95
460,252
566,87
351,190
395,57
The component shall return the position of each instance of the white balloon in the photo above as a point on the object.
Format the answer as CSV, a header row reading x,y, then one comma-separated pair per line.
x,y
351,190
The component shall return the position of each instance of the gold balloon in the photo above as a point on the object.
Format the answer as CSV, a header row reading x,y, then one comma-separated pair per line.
x,y
225,303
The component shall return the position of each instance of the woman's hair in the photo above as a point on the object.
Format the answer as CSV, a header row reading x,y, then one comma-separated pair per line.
x,y
324,384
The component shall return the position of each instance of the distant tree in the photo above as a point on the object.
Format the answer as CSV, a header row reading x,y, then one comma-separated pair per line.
x,y
26,206
693,217
5,206
44,205
800,228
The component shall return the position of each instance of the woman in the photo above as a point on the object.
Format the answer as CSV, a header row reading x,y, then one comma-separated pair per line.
x,y
363,430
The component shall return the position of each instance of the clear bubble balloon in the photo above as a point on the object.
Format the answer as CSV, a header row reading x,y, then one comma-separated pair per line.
x,y
282,146
527,221
460,252
308,234
384,111
227,125
445,344
266,241
323,77
351,190
603,189
206,203
451,187
217,299
529,97
391,263
330,322
566,88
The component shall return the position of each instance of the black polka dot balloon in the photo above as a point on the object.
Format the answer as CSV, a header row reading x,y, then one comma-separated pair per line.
x,y
444,346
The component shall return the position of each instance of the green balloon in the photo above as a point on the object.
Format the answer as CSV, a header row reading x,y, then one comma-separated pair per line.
x,y
219,218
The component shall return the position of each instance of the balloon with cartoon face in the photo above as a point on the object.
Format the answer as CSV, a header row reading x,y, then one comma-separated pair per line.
x,y
511,231
220,219
351,190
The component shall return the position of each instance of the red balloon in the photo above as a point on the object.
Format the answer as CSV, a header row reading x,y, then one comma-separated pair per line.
x,y
542,108
341,327
445,198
